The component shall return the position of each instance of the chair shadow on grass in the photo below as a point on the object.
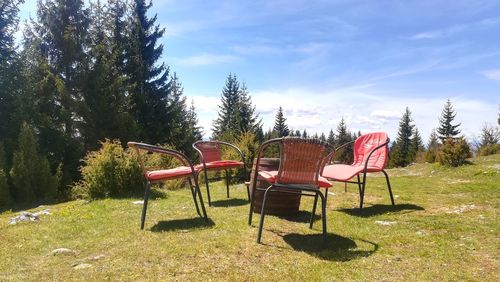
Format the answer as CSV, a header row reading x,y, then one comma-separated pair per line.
x,y
380,209
229,203
182,224
339,248
300,216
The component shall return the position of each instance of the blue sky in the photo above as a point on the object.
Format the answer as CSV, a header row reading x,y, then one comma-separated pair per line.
x,y
324,60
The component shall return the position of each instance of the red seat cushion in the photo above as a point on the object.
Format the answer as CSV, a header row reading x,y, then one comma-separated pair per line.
x,y
341,172
221,164
165,174
270,176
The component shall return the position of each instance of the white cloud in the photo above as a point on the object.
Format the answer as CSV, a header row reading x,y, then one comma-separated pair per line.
x,y
492,74
205,59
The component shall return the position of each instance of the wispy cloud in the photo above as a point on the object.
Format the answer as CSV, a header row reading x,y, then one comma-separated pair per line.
x,y
454,29
492,74
205,59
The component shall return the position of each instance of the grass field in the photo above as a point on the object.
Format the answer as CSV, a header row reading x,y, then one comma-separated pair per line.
x,y
445,227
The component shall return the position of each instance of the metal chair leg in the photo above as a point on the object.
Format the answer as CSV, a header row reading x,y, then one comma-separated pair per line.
x,y
145,204
208,188
311,221
323,217
362,196
250,213
389,186
193,193
227,183
263,213
197,188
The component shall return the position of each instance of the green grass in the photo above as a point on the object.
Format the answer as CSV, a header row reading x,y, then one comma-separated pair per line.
x,y
430,240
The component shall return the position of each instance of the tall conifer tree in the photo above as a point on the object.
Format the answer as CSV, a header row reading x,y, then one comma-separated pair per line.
x,y
344,155
228,121
280,126
446,129
401,154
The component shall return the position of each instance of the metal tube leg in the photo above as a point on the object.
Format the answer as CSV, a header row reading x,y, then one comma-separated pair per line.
x,y
208,188
363,185
311,221
323,217
389,186
197,188
262,214
193,192
227,183
248,192
359,184
252,199
145,204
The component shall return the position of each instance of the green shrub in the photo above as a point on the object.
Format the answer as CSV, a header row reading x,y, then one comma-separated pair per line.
x,y
489,150
248,145
431,155
116,172
30,173
454,152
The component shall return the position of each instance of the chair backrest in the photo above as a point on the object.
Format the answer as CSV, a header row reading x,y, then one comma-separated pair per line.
x,y
302,160
209,150
365,144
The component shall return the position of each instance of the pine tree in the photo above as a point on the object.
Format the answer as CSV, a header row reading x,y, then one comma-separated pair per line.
x,y
147,80
446,129
304,134
297,133
331,137
344,155
280,125
401,154
31,176
433,142
8,25
5,198
247,117
228,119
417,145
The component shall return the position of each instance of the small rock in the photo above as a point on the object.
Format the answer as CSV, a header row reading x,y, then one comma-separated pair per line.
x,y
385,223
82,266
94,258
184,230
24,216
138,202
422,233
396,196
63,251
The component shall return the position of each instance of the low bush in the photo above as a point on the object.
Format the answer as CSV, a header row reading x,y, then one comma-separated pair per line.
x,y
489,150
113,171
454,152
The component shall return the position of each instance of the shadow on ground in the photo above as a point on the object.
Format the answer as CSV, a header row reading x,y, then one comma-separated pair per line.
x,y
229,203
301,216
380,209
182,224
338,248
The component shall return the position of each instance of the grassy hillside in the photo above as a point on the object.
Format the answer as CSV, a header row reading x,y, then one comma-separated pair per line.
x,y
445,227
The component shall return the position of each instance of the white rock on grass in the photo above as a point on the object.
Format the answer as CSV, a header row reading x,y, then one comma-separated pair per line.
x,y
462,209
82,266
385,223
138,202
63,251
28,216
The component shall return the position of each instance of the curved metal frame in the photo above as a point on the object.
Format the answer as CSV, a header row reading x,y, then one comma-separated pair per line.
x,y
205,169
311,190
362,184
195,189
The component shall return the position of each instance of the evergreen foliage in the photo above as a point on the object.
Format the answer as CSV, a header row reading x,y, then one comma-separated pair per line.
x,y
304,134
401,152
5,197
446,129
331,137
454,152
280,126
432,147
31,175
344,155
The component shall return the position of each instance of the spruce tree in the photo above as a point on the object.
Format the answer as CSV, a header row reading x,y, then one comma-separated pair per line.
x,y
417,145
228,121
5,198
344,155
304,134
433,142
322,137
249,120
280,126
401,153
297,133
446,129
31,175
331,138
147,81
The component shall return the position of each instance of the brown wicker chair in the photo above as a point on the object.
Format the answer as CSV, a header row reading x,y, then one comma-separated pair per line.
x,y
211,160
301,163
187,171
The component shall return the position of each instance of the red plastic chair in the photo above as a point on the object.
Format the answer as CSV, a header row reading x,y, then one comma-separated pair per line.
x,y
370,155
186,171
301,162
211,160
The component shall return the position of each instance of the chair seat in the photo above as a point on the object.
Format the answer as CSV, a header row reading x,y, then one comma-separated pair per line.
x,y
270,176
165,174
220,165
341,172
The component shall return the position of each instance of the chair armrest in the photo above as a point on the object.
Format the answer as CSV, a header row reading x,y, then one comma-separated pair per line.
x,y
155,149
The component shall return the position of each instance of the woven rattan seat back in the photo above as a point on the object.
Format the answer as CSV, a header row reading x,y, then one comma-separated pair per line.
x,y
210,150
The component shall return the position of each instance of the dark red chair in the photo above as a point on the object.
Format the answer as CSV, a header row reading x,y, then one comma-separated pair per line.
x,y
301,163
370,155
187,171
211,160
